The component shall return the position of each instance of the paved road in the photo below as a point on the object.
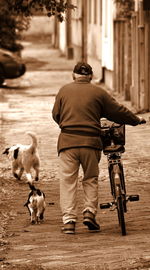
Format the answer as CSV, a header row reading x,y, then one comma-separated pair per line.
x,y
25,106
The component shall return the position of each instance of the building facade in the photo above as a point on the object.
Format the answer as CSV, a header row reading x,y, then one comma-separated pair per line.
x,y
114,39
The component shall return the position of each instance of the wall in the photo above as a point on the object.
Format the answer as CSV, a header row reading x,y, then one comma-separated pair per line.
x,y
77,29
107,41
93,35
94,29
140,90
99,36
62,37
40,25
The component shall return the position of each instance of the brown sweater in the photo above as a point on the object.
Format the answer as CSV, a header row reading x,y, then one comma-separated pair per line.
x,y
77,110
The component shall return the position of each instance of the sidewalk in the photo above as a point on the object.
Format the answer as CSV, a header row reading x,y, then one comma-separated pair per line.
x,y
27,106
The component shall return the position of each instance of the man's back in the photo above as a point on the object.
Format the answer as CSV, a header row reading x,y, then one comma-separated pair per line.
x,y
81,105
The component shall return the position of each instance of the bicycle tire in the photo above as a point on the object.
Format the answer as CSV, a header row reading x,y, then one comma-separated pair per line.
x,y
121,218
123,187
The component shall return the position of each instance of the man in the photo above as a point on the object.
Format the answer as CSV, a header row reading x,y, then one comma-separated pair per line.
x,y
77,110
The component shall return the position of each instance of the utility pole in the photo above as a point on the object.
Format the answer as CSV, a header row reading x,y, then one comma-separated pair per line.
x,y
69,33
56,33
84,30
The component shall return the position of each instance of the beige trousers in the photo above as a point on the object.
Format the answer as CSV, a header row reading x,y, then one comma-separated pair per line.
x,y
70,161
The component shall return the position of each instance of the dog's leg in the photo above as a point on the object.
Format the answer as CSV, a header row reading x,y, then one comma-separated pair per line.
x,y
14,169
15,174
33,216
37,174
20,173
37,219
41,210
33,221
29,178
36,168
27,168
40,215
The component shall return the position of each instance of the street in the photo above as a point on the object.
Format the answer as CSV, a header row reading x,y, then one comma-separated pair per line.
x,y
25,105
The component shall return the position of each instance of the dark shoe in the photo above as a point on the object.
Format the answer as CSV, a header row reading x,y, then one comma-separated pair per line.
x,y
69,228
89,220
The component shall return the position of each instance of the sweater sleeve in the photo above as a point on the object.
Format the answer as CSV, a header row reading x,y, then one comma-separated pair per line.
x,y
118,113
56,110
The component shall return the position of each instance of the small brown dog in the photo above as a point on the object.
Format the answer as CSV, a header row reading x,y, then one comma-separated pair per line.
x,y
36,204
24,158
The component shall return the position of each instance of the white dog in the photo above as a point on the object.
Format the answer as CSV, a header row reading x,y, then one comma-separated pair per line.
x,y
36,204
24,158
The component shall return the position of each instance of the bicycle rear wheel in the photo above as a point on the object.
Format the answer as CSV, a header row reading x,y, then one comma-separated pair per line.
x,y
121,218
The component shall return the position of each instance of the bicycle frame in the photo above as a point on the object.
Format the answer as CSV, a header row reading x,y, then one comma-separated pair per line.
x,y
115,168
116,175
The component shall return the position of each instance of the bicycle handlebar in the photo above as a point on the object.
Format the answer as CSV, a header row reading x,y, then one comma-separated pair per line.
x,y
112,125
109,124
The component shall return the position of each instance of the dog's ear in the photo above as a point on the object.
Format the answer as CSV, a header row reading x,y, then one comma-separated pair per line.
x,y
6,151
16,151
39,192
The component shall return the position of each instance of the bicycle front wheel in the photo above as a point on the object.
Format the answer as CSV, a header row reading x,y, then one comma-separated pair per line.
x,y
121,218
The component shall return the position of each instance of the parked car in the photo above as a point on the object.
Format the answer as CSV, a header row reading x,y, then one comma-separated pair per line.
x,y
11,66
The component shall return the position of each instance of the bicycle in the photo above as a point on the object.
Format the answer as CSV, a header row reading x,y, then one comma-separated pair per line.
x,y
113,138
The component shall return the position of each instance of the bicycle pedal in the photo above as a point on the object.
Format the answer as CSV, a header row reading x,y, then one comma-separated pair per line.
x,y
105,205
113,208
133,198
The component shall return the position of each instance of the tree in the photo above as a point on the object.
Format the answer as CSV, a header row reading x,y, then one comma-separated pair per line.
x,y
11,27
15,17
51,7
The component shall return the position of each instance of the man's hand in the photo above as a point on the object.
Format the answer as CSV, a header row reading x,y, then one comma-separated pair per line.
x,y
142,120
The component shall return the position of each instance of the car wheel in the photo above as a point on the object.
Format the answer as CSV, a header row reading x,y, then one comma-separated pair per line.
x,y
1,75
1,81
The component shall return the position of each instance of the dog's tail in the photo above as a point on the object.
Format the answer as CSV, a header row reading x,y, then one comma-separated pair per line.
x,y
34,140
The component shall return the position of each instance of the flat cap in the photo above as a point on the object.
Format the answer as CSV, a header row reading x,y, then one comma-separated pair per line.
x,y
83,69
